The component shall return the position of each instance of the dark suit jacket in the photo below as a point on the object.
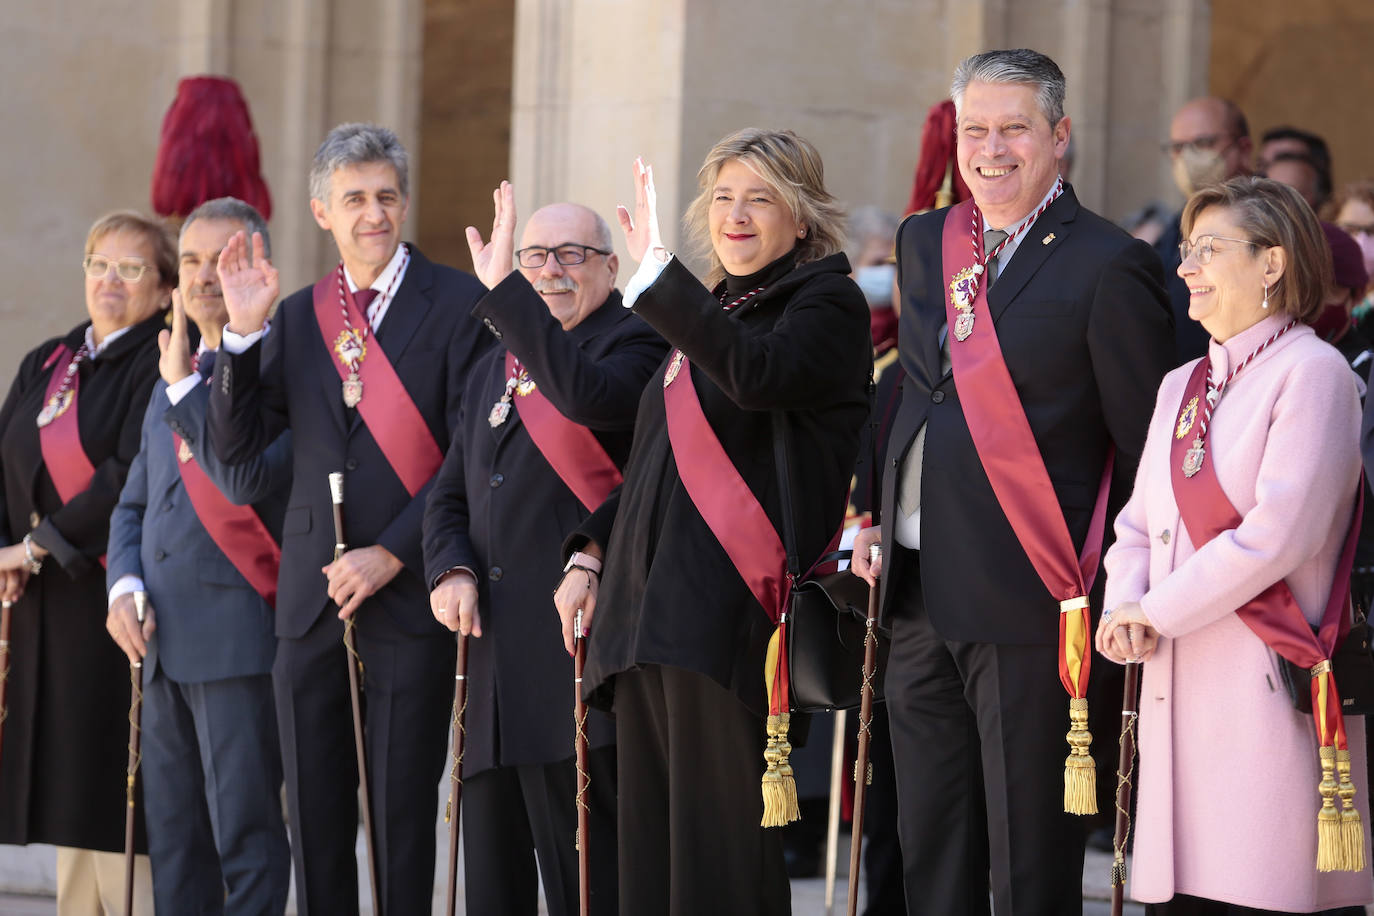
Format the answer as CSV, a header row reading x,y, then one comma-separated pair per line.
x,y
669,594
211,624
498,508
1087,335
289,379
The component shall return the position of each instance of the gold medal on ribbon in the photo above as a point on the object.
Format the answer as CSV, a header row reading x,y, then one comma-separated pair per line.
x,y
351,348
1186,419
57,405
1193,458
674,368
963,289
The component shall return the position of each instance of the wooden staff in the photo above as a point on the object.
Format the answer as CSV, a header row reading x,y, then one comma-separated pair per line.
x,y
455,789
5,610
584,871
832,827
355,692
1125,771
135,756
863,773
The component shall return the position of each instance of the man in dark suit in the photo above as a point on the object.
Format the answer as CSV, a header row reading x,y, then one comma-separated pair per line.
x,y
367,370
504,501
211,762
977,711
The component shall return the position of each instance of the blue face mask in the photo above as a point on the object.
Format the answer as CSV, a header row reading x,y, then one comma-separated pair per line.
x,y
876,282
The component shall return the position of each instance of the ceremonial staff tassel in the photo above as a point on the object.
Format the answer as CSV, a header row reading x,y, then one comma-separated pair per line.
x,y
584,873
5,609
1125,771
455,789
862,769
135,756
355,692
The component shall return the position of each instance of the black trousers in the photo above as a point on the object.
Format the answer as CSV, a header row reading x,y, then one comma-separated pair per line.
x,y
882,850
408,695
513,814
689,762
978,742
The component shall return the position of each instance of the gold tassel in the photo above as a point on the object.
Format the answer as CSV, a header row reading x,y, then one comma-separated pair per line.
x,y
1329,856
774,795
1080,774
792,807
1118,869
1352,829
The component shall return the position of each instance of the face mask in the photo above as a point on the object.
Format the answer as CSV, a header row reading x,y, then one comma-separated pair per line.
x,y
876,282
1332,322
1195,169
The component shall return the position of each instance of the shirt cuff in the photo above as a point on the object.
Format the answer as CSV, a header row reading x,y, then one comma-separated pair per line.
x,y
179,390
127,583
237,343
648,272
452,569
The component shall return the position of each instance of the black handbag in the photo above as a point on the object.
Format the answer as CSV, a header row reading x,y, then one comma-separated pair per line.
x,y
826,618
1352,666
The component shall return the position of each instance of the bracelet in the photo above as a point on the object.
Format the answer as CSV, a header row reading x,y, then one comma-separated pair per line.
x,y
31,562
580,560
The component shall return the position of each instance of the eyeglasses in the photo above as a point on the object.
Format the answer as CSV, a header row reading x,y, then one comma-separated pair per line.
x,y
97,267
566,255
1358,229
1204,249
1209,142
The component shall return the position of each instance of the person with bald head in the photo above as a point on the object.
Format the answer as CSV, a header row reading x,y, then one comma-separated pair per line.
x,y
1209,142
546,424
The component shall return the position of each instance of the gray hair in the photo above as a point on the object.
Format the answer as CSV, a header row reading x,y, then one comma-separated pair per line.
x,y
869,222
233,210
354,144
1021,65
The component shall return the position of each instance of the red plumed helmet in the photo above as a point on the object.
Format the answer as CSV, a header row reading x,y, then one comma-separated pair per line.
x,y
208,150
937,182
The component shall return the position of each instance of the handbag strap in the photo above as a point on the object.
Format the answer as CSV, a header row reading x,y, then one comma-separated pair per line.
x,y
781,450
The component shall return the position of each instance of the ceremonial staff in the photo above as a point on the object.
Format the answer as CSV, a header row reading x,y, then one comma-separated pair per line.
x,y
832,827
862,774
1125,770
455,791
584,894
355,664
5,609
135,756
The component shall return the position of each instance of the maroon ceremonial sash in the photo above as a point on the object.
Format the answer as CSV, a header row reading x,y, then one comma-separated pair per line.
x,y
574,453
386,407
60,440
236,530
1273,615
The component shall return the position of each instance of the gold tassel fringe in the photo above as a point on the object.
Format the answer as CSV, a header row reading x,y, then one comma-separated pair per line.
x,y
1352,828
1118,870
1329,857
1080,774
780,805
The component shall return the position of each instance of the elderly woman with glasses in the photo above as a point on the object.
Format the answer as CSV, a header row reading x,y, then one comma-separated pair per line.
x,y
683,566
1230,567
68,432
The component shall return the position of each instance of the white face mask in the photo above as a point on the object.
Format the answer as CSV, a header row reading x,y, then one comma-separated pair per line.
x,y
1195,169
876,282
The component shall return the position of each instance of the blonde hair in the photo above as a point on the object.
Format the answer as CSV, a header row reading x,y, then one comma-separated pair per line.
x,y
790,166
154,232
1273,215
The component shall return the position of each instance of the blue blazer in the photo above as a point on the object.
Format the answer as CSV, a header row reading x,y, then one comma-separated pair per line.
x,y
211,624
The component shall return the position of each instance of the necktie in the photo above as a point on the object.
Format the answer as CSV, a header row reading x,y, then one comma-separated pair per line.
x,y
207,364
364,298
991,239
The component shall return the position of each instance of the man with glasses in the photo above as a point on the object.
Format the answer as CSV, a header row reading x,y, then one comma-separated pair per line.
x,y
1209,142
547,423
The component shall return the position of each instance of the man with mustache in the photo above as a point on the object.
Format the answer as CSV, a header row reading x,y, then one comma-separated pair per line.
x,y
547,423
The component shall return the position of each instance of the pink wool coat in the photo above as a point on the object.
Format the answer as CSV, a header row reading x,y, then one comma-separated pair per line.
x,y
1228,771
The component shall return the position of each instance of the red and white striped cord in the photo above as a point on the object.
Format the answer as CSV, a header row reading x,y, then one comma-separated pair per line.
x,y
1214,393
981,257
736,303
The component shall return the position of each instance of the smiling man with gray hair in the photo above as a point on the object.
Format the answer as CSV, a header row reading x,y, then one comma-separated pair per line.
x,y
1034,335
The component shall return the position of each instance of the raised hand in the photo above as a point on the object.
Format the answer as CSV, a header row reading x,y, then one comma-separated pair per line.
x,y
493,261
175,345
249,284
641,229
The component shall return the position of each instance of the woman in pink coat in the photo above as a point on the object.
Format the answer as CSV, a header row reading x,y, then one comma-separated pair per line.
x,y
1228,775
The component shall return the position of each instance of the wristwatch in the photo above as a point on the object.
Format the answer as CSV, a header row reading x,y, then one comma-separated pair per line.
x,y
585,562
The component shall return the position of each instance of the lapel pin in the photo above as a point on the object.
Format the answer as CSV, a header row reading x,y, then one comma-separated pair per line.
x,y
1047,239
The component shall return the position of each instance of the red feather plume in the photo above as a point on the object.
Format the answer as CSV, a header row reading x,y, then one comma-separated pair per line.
x,y
937,161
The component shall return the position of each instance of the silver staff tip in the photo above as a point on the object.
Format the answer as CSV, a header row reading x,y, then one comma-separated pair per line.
x,y
875,552
141,605
336,487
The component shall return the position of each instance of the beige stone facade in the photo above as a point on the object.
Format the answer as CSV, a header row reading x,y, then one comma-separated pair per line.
x,y
561,95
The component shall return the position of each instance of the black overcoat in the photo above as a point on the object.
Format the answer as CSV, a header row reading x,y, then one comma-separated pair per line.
x,y
62,775
669,594
499,508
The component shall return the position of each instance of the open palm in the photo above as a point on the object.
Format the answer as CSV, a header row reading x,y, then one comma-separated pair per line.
x,y
249,284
